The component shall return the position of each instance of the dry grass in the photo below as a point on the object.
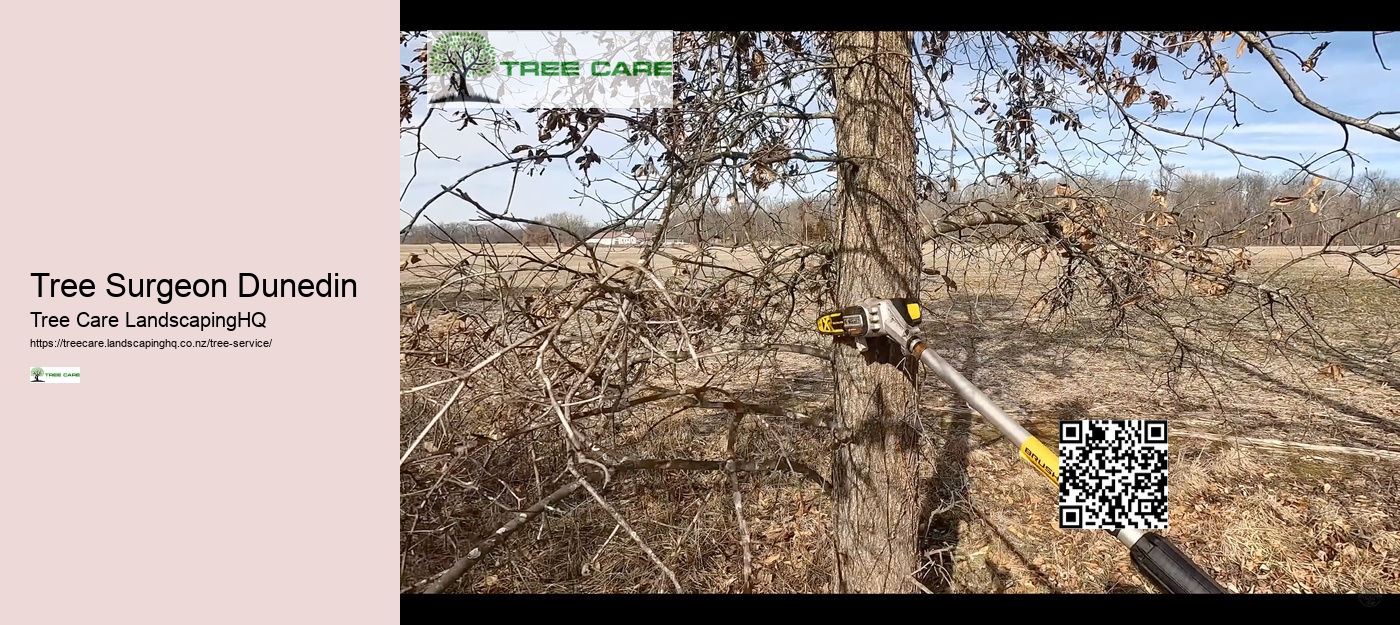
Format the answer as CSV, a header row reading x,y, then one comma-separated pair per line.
x,y
1262,516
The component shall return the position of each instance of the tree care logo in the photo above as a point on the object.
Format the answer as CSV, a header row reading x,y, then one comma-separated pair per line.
x,y
52,375
549,69
463,59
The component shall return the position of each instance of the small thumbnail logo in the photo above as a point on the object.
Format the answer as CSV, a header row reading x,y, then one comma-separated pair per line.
x,y
54,375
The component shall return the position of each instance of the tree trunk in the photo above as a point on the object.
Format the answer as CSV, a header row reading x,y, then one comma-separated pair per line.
x,y
878,255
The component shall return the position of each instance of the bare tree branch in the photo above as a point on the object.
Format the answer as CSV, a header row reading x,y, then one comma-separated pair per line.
x,y
1302,98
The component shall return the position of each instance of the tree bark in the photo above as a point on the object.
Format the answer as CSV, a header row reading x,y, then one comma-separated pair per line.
x,y
878,255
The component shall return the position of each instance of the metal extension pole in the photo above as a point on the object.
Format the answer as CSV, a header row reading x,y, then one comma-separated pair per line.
x,y
1153,554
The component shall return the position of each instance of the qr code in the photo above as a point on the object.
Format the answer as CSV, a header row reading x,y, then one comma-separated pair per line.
x,y
1113,474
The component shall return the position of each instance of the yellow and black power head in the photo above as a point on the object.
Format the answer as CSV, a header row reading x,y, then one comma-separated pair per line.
x,y
866,320
830,323
850,321
908,308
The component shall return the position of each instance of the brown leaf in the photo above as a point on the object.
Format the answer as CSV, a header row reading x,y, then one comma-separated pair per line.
x,y
1333,371
1207,287
947,281
1221,67
1310,63
759,66
1312,205
1285,199
1160,196
776,533
1316,182
1133,94
1239,52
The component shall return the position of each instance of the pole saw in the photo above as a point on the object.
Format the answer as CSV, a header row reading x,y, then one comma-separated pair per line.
x,y
898,320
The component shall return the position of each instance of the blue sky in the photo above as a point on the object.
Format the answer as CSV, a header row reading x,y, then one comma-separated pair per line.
x,y
1355,84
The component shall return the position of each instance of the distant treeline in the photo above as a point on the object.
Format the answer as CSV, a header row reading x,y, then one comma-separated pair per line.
x,y
1252,209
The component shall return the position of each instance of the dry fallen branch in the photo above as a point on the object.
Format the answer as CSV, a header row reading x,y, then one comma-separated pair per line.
x,y
488,544
627,527
1269,443
730,466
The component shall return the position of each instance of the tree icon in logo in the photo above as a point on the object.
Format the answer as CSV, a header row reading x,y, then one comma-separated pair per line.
x,y
461,56
36,372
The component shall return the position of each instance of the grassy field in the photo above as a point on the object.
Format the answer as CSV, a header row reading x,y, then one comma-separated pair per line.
x,y
1284,461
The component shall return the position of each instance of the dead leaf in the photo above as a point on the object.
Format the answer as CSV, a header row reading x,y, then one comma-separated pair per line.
x,y
1333,371
1317,182
1310,63
1284,200
1221,67
759,66
1207,287
1133,94
1239,52
1160,196
1312,205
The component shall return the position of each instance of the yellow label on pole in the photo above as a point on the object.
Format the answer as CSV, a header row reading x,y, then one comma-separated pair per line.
x,y
1040,457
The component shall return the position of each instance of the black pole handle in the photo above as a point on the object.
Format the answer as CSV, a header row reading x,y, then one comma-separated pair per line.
x,y
1171,569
